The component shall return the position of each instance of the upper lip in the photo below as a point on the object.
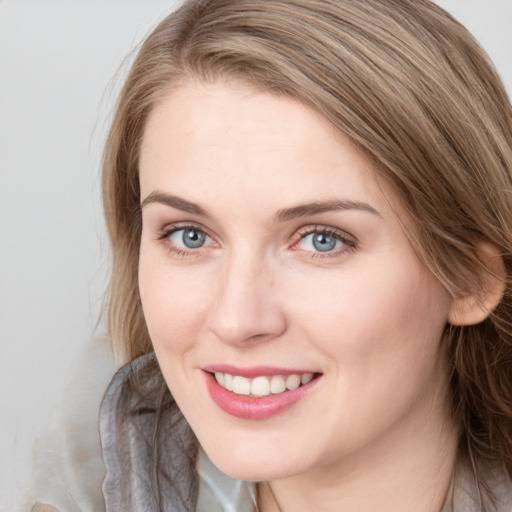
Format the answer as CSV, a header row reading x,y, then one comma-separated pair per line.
x,y
254,371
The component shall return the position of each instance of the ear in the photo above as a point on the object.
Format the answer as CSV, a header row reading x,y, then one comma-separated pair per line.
x,y
474,308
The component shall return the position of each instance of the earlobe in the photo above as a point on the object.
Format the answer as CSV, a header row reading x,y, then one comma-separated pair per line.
x,y
474,308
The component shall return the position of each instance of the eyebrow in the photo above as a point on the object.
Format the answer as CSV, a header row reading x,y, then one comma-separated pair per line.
x,y
318,207
286,214
174,202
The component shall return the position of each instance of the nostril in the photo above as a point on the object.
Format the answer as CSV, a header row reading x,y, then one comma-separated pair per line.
x,y
258,337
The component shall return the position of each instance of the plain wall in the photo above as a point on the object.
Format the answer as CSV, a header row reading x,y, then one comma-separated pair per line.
x,y
59,78
58,60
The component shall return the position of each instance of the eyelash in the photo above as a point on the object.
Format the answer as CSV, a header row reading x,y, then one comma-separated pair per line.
x,y
168,231
348,241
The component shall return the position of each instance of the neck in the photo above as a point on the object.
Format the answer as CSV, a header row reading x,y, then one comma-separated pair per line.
x,y
408,468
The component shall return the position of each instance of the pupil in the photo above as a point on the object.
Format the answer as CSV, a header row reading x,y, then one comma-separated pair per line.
x,y
193,239
324,243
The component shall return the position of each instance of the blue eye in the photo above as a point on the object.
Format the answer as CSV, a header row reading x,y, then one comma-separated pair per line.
x,y
188,238
321,242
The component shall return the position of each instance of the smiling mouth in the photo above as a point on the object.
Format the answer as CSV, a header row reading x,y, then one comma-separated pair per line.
x,y
262,385
258,392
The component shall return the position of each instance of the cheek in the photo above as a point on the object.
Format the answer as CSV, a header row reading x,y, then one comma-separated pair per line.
x,y
377,318
379,332
173,302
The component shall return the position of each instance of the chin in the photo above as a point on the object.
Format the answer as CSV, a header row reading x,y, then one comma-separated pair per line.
x,y
251,472
255,464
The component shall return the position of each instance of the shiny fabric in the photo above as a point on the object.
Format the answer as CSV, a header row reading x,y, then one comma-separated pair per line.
x,y
149,467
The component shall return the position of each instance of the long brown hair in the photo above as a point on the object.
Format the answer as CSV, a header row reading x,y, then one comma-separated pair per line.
x,y
411,87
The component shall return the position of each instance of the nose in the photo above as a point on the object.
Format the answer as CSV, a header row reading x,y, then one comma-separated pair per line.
x,y
246,307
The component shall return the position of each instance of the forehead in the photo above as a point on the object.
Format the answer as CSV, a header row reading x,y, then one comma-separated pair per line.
x,y
208,139
221,113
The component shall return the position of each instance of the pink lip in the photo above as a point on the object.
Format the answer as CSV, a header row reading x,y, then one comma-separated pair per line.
x,y
255,408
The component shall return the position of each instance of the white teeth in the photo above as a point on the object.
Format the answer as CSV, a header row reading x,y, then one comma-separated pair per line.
x,y
241,385
277,384
262,386
307,377
228,381
292,382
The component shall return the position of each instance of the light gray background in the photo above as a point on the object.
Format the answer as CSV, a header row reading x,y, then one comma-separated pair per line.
x,y
58,66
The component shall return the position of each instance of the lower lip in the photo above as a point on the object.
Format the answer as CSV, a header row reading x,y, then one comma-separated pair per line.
x,y
255,408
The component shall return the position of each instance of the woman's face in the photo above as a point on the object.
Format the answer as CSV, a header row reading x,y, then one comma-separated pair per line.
x,y
271,256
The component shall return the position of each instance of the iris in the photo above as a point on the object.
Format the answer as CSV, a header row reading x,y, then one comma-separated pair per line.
x,y
192,238
323,242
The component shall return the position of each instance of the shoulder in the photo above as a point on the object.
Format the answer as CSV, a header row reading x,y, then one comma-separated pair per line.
x,y
492,494
67,465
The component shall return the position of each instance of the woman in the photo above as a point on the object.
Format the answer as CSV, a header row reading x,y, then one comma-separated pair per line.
x,y
309,208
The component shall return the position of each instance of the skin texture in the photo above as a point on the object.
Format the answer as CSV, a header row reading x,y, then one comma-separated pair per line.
x,y
374,432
